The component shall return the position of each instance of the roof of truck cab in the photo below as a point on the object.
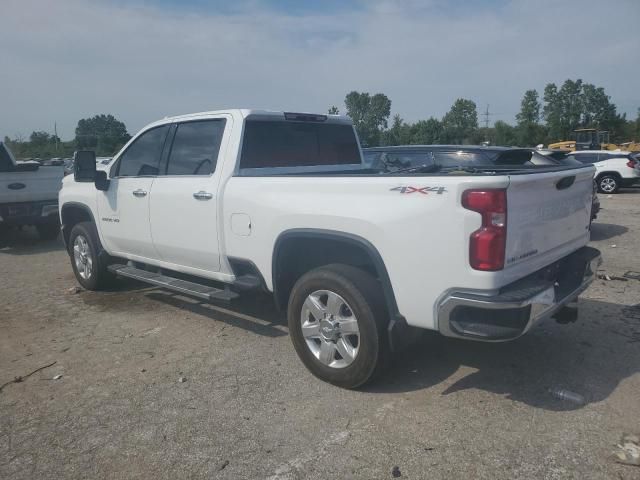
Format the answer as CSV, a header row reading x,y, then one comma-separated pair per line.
x,y
247,112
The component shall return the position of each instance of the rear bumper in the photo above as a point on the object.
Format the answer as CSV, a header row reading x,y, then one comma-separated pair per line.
x,y
519,306
29,213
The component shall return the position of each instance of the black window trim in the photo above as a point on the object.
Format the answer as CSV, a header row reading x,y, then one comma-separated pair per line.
x,y
168,146
116,165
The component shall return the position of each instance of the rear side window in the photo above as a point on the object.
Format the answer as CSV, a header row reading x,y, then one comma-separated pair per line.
x,y
298,144
142,158
195,147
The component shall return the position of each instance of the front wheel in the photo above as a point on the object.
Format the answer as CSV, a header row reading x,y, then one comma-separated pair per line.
x,y
608,184
89,267
336,319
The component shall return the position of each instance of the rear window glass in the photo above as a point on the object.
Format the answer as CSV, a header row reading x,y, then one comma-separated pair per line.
x,y
298,144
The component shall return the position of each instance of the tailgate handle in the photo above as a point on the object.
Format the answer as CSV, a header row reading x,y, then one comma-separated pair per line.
x,y
565,182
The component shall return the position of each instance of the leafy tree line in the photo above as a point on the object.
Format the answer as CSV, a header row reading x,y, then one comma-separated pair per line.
x,y
554,118
102,133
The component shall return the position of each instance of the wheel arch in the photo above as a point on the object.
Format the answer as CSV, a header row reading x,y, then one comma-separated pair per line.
x,y
72,213
288,264
612,173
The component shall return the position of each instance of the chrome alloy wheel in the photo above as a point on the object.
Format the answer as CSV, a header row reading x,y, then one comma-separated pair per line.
x,y
330,328
608,185
82,257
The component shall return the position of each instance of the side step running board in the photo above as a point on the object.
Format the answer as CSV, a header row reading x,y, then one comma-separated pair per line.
x,y
182,286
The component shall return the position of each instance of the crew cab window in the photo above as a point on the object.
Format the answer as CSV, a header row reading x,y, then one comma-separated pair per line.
x,y
142,157
298,144
195,147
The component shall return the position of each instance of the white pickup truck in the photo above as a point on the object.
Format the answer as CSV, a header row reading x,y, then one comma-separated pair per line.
x,y
29,194
219,203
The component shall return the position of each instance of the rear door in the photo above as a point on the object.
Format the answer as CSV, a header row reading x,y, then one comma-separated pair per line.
x,y
124,208
548,214
185,197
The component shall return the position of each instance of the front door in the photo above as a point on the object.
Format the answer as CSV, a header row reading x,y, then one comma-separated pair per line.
x,y
123,210
184,197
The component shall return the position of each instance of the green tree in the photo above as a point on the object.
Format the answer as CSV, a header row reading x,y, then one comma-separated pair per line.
x,y
333,110
460,122
40,139
571,105
597,109
504,134
529,108
370,114
529,132
103,133
427,132
551,111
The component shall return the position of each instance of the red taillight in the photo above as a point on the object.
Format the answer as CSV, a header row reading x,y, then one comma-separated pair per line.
x,y
631,164
487,244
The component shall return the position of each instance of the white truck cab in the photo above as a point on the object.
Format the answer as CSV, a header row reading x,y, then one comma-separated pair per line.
x,y
218,204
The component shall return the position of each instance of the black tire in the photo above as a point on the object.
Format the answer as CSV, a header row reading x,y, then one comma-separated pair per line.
x,y
48,230
608,183
364,296
99,277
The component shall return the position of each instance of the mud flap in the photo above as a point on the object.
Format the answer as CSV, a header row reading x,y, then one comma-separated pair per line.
x,y
567,314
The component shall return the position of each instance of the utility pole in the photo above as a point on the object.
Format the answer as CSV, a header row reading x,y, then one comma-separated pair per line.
x,y
486,115
55,132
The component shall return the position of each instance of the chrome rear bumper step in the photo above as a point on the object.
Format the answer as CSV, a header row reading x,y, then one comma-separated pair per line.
x,y
203,292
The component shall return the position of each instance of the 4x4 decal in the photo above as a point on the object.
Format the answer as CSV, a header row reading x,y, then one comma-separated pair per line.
x,y
422,190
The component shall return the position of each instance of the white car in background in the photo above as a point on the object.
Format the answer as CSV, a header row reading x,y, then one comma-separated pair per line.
x,y
614,169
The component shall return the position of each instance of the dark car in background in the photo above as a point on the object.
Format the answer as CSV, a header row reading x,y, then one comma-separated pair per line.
x,y
465,156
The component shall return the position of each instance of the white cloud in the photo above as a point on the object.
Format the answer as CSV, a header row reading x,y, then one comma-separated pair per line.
x,y
62,61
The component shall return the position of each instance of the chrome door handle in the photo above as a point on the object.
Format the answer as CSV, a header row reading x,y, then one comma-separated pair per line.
x,y
139,193
202,195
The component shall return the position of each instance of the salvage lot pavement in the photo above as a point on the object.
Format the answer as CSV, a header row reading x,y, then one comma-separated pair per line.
x,y
247,408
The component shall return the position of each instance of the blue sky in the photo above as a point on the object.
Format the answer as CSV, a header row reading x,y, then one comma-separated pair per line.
x,y
141,60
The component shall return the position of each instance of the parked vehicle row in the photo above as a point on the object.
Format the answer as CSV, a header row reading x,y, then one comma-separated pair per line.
x,y
361,256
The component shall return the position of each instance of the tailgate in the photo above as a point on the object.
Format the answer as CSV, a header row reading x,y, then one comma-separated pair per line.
x,y
548,216
42,184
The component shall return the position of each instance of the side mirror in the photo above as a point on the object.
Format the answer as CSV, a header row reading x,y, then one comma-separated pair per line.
x,y
101,182
84,166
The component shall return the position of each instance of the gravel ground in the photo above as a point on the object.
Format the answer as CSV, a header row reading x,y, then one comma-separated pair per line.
x,y
247,408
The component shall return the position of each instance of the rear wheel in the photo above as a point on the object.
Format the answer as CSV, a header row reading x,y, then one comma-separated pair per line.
x,y
336,319
88,261
608,183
